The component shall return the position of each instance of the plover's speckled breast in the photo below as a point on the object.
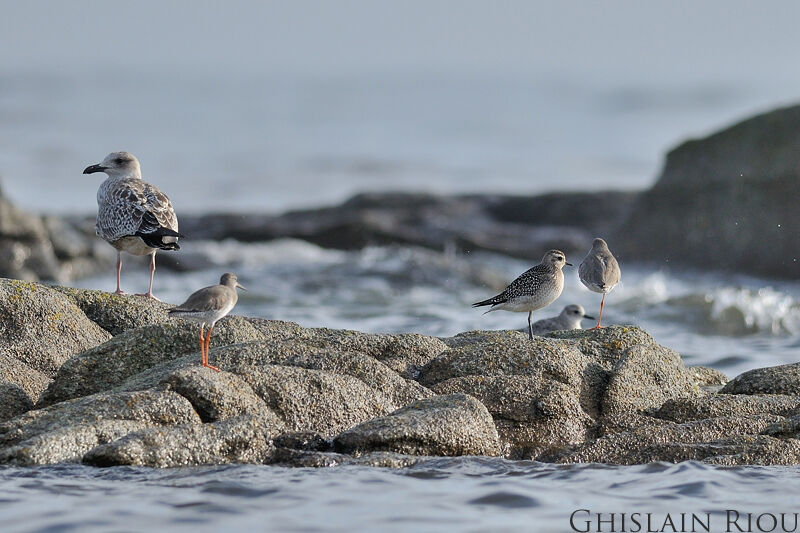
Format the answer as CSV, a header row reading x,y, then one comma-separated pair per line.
x,y
534,289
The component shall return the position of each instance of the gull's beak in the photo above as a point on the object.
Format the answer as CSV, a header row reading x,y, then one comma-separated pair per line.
x,y
568,264
589,317
239,286
91,169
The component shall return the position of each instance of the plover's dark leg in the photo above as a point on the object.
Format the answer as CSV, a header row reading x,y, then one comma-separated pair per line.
x,y
119,272
530,325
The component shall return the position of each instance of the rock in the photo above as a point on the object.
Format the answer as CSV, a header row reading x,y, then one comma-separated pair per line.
x,y
314,400
312,459
65,432
242,439
404,353
32,382
649,443
783,379
786,428
728,201
599,212
13,401
644,378
531,415
727,405
41,327
303,440
126,355
450,425
429,221
216,396
706,377
117,313
25,250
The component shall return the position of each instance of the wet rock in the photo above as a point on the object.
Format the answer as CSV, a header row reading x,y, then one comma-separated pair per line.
x,y
303,440
127,354
728,201
455,424
425,220
783,379
312,459
242,439
65,432
41,327
13,401
641,444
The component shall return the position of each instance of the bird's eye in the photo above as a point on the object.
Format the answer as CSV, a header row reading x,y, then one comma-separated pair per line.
x,y
119,161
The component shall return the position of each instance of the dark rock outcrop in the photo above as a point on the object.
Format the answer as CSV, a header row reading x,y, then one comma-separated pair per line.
x,y
783,379
726,202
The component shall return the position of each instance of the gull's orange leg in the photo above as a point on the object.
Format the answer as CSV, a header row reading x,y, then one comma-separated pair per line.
x,y
600,317
208,345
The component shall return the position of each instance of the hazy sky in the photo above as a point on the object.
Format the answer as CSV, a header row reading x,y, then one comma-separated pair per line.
x,y
662,40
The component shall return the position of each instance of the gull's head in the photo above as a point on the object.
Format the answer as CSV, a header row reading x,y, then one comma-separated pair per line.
x,y
117,165
229,279
575,312
557,258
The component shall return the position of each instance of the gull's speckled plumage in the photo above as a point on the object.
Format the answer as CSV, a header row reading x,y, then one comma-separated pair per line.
x,y
206,306
535,289
133,215
569,318
599,272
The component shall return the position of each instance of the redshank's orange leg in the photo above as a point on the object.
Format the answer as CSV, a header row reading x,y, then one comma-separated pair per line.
x,y
600,317
208,345
202,346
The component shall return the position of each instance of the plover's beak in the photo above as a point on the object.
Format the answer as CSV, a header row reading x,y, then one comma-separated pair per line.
x,y
568,264
239,286
589,317
91,169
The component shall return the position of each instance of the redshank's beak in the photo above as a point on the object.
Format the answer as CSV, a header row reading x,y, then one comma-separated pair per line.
x,y
239,286
91,169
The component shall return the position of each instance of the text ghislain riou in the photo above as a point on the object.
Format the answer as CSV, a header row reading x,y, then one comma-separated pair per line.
x,y
729,521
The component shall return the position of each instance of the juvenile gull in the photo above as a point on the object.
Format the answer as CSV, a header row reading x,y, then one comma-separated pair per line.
x,y
133,216
536,288
208,305
600,272
570,318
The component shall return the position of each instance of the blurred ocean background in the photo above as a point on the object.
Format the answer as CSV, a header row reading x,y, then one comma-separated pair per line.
x,y
269,106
